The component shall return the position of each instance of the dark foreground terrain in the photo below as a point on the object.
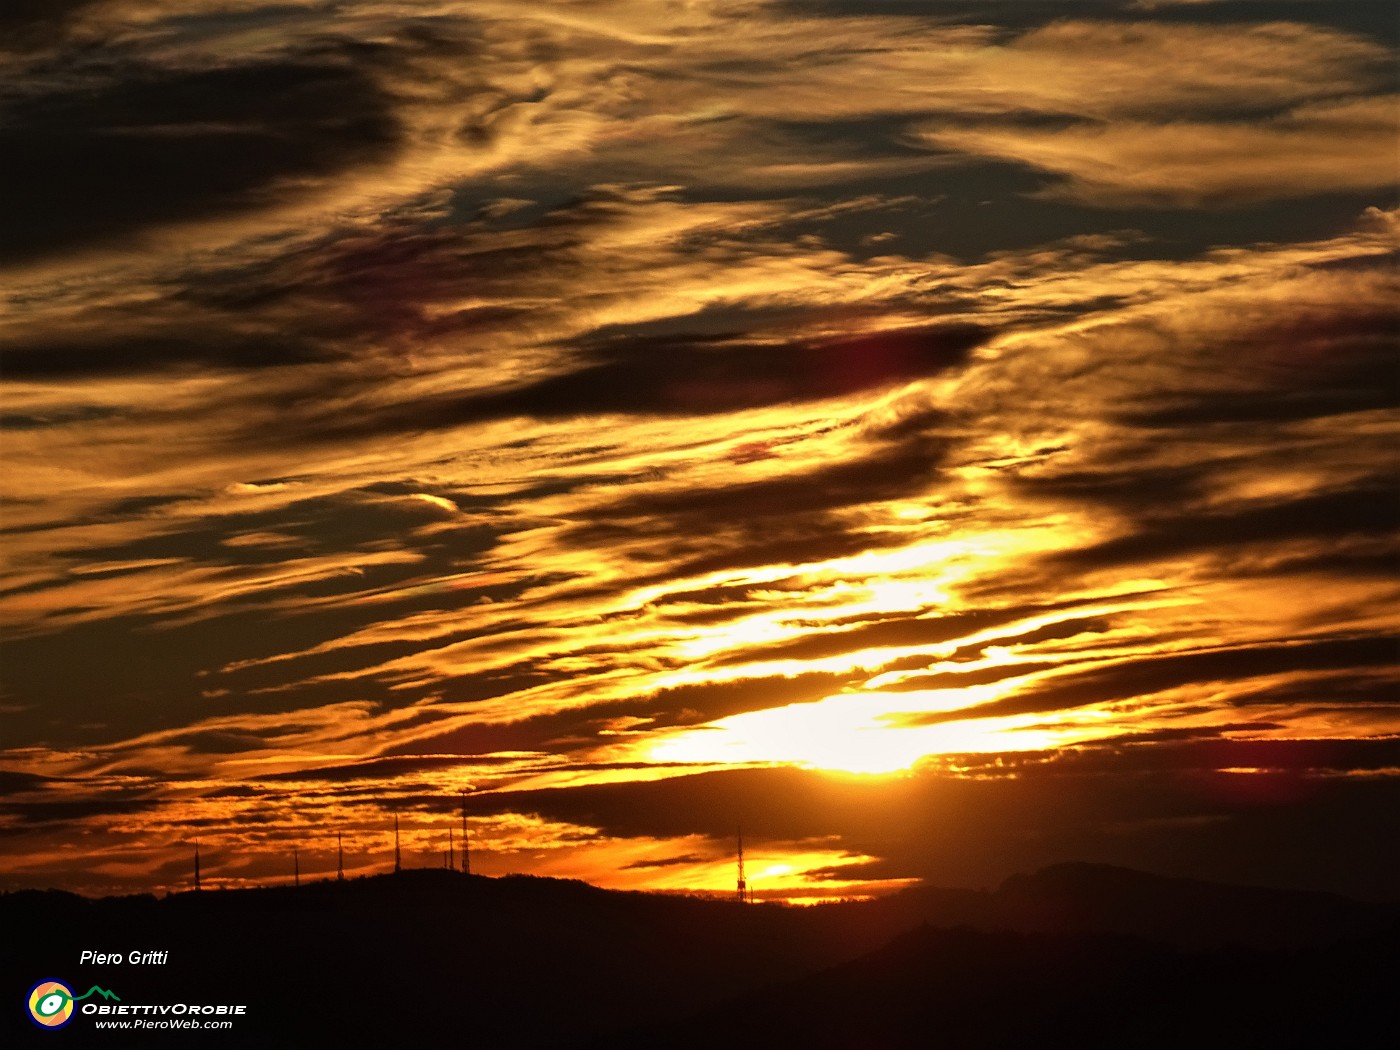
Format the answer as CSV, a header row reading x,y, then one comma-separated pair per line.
x,y
1075,955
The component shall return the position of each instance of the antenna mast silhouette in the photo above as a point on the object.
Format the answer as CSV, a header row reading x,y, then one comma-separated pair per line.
x,y
197,886
743,886
466,845
398,857
451,852
296,867
339,859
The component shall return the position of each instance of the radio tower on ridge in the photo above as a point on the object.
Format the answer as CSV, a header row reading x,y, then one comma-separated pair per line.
x,y
466,847
339,859
296,867
196,864
743,888
398,857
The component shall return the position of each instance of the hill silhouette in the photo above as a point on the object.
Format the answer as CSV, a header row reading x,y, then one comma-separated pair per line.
x,y
978,990
1189,913
531,962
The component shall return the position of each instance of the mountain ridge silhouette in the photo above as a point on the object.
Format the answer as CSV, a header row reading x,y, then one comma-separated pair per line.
x,y
523,961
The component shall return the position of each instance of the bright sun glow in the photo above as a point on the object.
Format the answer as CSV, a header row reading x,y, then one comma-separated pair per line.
x,y
872,732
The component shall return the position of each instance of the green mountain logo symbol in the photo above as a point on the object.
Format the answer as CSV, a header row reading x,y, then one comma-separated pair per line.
x,y
100,991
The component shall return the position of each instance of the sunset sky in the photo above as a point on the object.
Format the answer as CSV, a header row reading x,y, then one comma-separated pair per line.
x,y
943,437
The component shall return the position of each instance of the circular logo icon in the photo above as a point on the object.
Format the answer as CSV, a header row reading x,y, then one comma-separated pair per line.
x,y
51,1004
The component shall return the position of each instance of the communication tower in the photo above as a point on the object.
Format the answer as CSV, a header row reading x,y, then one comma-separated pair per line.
x,y
743,888
466,846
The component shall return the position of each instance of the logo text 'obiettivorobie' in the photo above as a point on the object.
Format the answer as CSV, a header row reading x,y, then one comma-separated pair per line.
x,y
52,1004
